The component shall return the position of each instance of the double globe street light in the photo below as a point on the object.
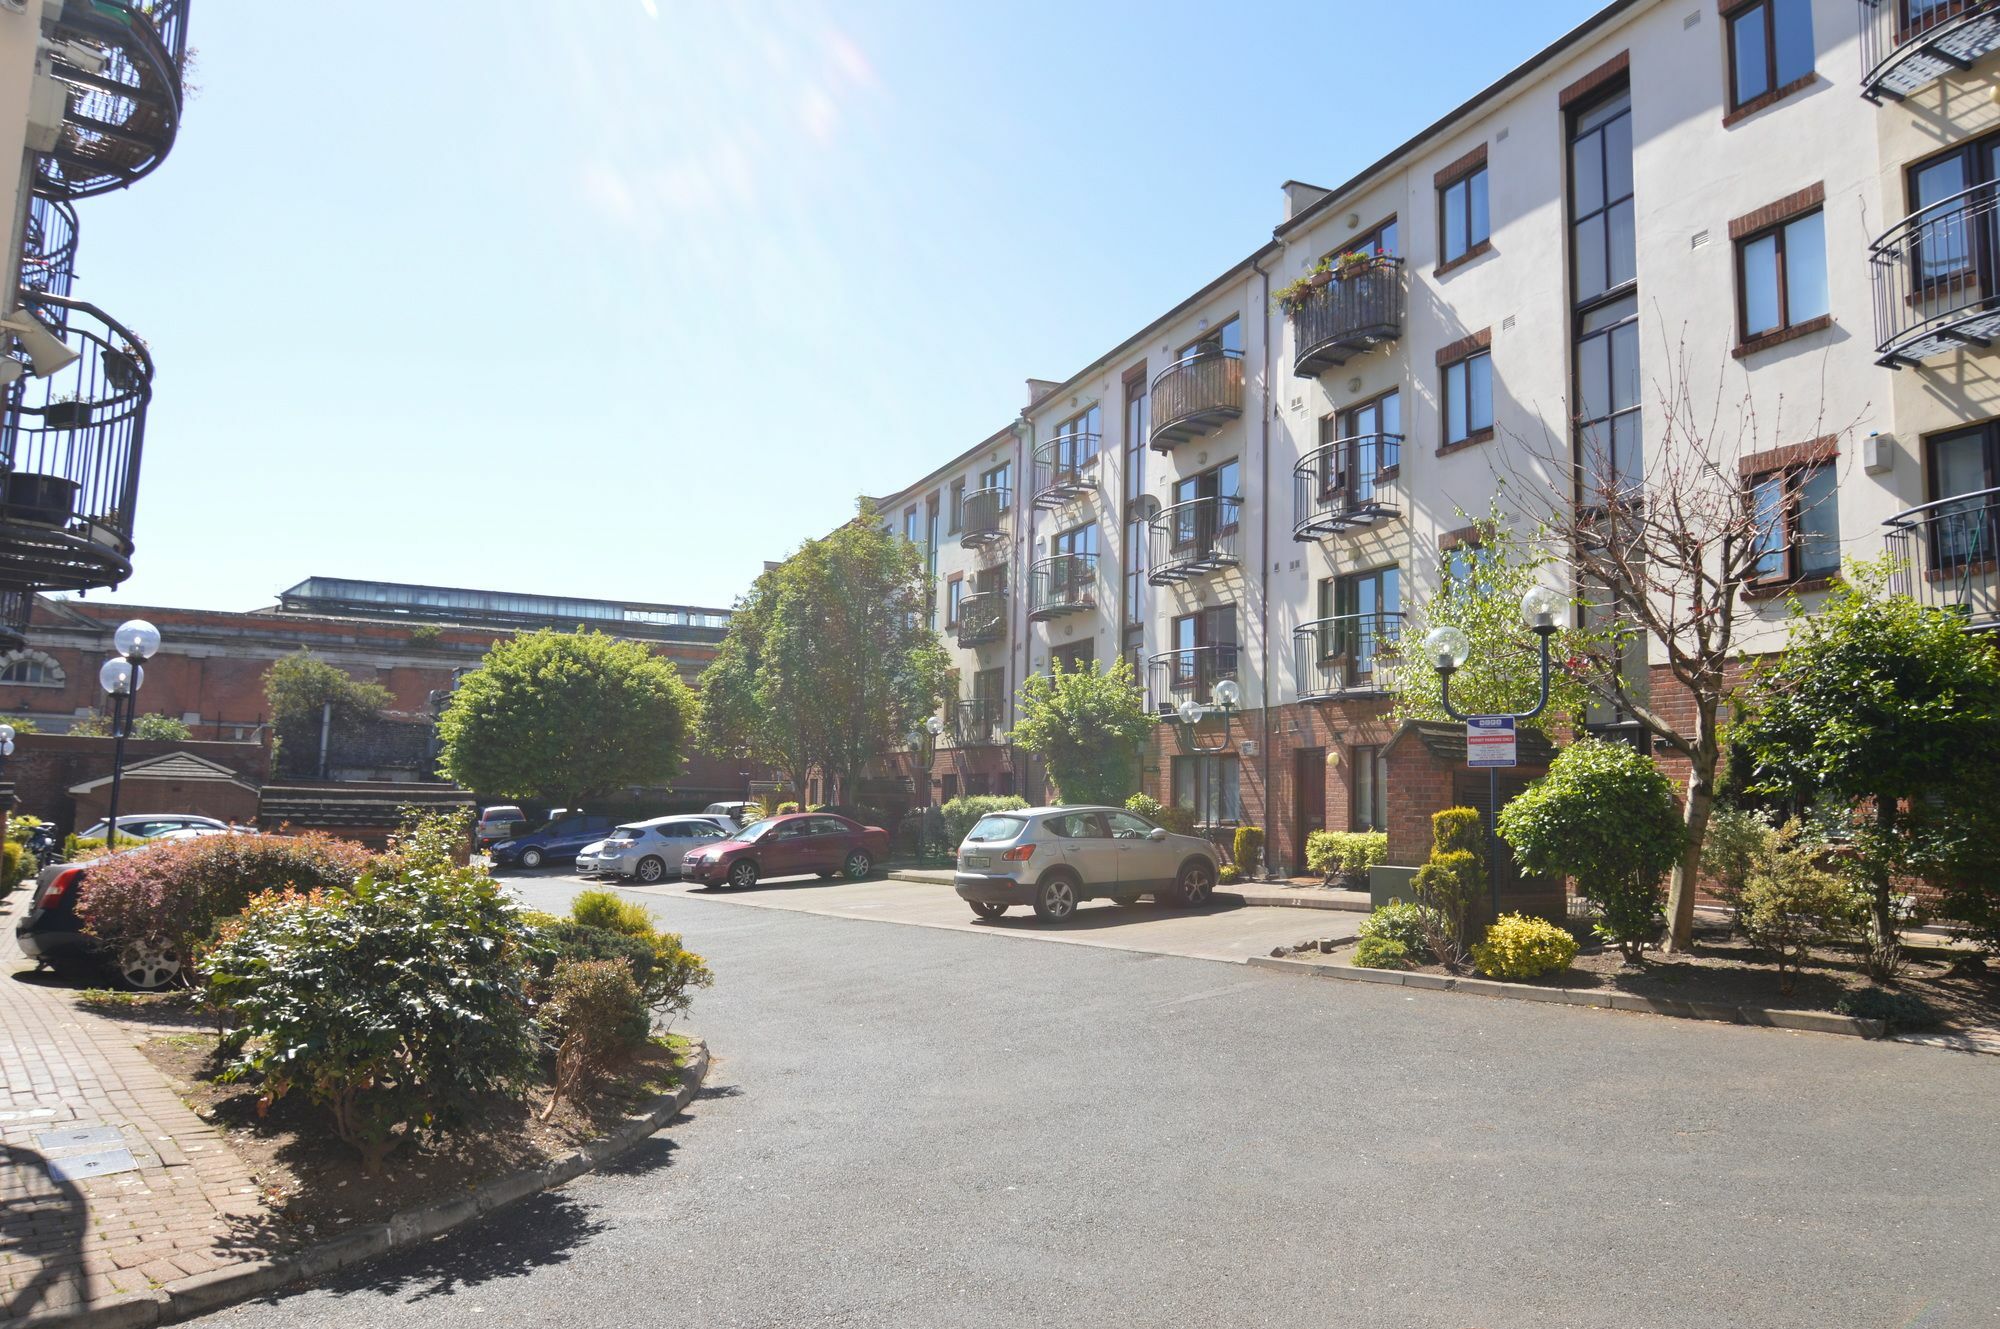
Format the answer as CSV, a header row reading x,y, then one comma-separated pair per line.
x,y
1450,648
121,677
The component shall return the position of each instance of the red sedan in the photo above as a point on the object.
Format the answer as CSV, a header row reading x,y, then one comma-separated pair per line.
x,y
790,846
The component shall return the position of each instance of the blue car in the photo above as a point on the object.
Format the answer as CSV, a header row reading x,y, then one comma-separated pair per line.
x,y
559,841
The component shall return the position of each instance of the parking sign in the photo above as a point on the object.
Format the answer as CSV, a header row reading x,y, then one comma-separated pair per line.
x,y
1489,740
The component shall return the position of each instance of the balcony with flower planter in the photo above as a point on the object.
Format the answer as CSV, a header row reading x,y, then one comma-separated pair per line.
x,y
982,618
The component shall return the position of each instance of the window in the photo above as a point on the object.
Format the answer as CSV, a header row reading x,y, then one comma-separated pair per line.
x,y
1207,505
1604,302
1465,564
1952,213
1204,651
1358,616
1000,477
1371,435
1965,462
1798,524
1073,657
950,786
1468,399
1607,380
1781,276
1369,785
954,598
1206,785
911,530
1381,240
1128,826
957,507
1770,48
1603,252
28,669
1462,222
1070,574
1225,340
1076,442
989,694
1077,826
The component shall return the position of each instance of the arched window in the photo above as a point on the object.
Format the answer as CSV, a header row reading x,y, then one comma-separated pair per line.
x,y
30,668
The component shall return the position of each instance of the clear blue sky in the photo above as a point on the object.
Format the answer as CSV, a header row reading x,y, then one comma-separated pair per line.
x,y
622,297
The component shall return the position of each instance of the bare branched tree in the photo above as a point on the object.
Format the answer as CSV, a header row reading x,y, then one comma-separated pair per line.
x,y
1660,552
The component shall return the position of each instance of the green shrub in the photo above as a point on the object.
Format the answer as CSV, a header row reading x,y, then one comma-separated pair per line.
x,y
1522,947
16,865
1735,839
596,1020
1605,816
1381,953
1791,904
1403,924
1328,852
22,827
1178,820
396,1005
1448,883
178,890
961,814
785,808
1903,1010
562,940
160,729
1248,849
603,909
1229,875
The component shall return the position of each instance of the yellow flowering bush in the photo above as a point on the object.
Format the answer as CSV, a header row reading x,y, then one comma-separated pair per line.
x,y
1522,947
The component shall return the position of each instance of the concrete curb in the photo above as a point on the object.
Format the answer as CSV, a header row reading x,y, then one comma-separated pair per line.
x,y
1294,898
200,1294
1818,1022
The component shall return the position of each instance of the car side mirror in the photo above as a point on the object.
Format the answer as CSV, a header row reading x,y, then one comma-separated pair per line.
x,y
1157,833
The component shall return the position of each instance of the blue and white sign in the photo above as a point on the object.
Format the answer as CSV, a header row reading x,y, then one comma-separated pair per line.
x,y
1489,740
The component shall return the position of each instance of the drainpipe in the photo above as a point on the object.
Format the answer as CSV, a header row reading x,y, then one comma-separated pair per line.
x,y
1024,548
1264,569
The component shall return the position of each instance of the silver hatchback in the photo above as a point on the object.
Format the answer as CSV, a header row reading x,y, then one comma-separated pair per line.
x,y
1053,859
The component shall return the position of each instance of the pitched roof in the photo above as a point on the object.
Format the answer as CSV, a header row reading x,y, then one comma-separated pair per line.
x,y
182,767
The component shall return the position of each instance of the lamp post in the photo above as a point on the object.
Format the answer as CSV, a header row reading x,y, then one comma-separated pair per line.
x,y
1450,648
121,677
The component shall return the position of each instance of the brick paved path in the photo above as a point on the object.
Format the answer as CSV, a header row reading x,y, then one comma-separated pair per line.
x,y
187,1206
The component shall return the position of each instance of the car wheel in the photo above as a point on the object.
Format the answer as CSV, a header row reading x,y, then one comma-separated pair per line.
x,y
742,874
650,869
1196,883
531,858
1055,899
1125,901
859,864
988,908
149,963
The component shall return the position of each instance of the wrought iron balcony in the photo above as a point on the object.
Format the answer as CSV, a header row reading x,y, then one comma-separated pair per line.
x,y
48,258
1347,484
16,606
1194,538
983,517
1347,316
122,118
1188,674
1065,584
1065,468
1908,44
979,722
1195,396
69,459
1937,279
1345,656
982,618
1948,553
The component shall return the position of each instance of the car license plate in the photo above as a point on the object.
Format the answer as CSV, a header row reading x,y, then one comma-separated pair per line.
x,y
977,860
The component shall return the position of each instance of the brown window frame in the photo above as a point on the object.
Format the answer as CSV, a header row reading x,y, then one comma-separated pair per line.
x,y
1472,435
1786,327
1792,510
1773,90
1473,247
954,598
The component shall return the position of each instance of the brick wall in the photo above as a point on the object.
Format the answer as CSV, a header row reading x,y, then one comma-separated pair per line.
x,y
45,766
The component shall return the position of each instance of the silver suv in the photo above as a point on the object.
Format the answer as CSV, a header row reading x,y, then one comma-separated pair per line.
x,y
1056,858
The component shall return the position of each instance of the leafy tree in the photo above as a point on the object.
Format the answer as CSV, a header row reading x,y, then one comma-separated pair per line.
x,y
161,728
298,689
1893,709
830,660
1606,816
22,724
565,717
1503,672
1088,725
95,725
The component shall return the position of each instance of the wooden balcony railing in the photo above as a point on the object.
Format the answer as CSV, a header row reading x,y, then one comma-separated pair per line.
x,y
1347,316
1194,538
1064,584
1346,655
1347,484
1195,396
1908,44
982,618
122,118
1948,553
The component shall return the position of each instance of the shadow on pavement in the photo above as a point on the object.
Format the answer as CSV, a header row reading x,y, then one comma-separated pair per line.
x,y
532,1235
1098,915
43,1222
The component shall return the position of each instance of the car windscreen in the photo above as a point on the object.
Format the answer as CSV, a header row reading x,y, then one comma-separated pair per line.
x,y
756,830
992,828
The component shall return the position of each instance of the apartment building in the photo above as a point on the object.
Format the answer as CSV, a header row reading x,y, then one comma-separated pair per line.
x,y
1785,208
91,94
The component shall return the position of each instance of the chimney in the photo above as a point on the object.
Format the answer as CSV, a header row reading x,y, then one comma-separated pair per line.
x,y
1039,388
1299,196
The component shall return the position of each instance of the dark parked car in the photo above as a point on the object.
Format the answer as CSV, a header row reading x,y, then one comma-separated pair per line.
x,y
560,840
50,933
790,846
